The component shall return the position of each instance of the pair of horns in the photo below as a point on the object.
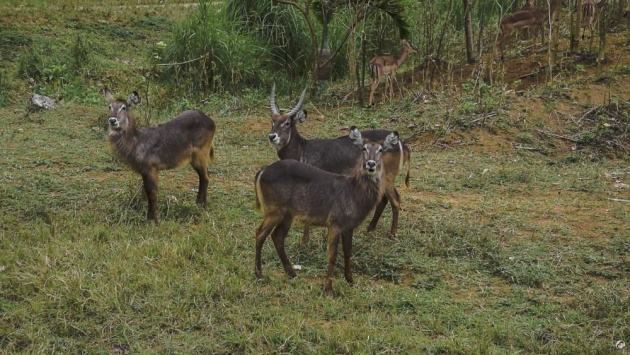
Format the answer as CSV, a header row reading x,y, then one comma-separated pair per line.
x,y
274,107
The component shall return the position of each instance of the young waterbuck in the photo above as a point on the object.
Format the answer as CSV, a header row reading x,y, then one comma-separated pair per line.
x,y
337,155
288,190
187,138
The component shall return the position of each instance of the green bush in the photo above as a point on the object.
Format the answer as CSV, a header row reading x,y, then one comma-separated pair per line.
x,y
205,55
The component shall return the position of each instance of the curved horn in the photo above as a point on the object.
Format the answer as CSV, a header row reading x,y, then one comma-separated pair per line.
x,y
272,100
299,104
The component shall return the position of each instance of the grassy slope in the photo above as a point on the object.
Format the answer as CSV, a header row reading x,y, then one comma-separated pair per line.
x,y
501,250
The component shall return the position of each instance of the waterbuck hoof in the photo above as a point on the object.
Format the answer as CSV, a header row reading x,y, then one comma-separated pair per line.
x,y
328,286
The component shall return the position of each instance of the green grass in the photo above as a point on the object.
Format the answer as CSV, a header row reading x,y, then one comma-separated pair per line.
x,y
500,250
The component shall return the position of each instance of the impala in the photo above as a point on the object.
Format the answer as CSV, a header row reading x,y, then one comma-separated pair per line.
x,y
187,138
521,19
589,16
387,65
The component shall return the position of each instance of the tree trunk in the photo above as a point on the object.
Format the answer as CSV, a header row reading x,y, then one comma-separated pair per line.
x,y
601,20
576,26
470,56
554,31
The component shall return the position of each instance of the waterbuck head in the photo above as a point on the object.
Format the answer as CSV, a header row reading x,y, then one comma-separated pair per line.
x,y
372,152
283,123
119,119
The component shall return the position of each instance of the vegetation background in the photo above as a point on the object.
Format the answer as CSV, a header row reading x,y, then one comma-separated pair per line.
x,y
513,236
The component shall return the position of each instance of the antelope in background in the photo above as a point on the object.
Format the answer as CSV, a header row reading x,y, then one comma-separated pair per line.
x,y
187,138
288,190
589,16
528,6
387,65
337,155
533,19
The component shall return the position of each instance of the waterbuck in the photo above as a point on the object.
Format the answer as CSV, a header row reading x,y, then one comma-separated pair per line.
x,y
337,155
187,138
288,190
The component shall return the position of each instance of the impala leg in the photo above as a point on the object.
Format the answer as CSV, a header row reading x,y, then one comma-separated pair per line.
x,y
278,235
346,239
150,183
391,86
333,244
373,89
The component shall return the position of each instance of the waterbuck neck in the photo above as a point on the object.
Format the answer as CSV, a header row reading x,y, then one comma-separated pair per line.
x,y
294,149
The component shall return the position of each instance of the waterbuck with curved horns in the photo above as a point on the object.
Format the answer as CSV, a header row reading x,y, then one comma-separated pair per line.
x,y
187,138
337,155
288,190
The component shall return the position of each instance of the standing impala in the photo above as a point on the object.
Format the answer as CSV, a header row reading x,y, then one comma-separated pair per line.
x,y
337,155
387,65
187,138
528,6
521,19
589,16
288,190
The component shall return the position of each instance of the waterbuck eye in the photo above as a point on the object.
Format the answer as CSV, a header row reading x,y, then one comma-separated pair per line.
x,y
123,108
286,123
380,150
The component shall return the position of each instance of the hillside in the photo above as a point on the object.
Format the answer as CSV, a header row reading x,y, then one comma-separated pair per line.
x,y
513,233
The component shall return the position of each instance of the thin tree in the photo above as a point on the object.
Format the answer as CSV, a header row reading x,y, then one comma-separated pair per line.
x,y
470,56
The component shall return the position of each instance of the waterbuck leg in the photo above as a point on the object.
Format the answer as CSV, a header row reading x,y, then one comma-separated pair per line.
x,y
305,235
346,240
378,211
201,168
333,245
150,182
393,197
261,234
394,201
278,235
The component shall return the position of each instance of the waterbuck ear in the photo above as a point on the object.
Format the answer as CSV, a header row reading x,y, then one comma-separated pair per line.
x,y
300,116
391,141
133,99
108,95
355,136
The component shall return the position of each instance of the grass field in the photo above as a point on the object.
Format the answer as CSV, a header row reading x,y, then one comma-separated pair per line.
x,y
501,249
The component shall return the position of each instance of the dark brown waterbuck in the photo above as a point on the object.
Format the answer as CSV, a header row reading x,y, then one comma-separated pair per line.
x,y
187,138
288,190
337,155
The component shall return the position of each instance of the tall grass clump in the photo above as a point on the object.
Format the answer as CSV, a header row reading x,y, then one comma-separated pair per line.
x,y
281,28
206,55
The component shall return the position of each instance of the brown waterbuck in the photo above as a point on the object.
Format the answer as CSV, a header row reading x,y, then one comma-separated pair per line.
x,y
187,138
288,190
337,155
